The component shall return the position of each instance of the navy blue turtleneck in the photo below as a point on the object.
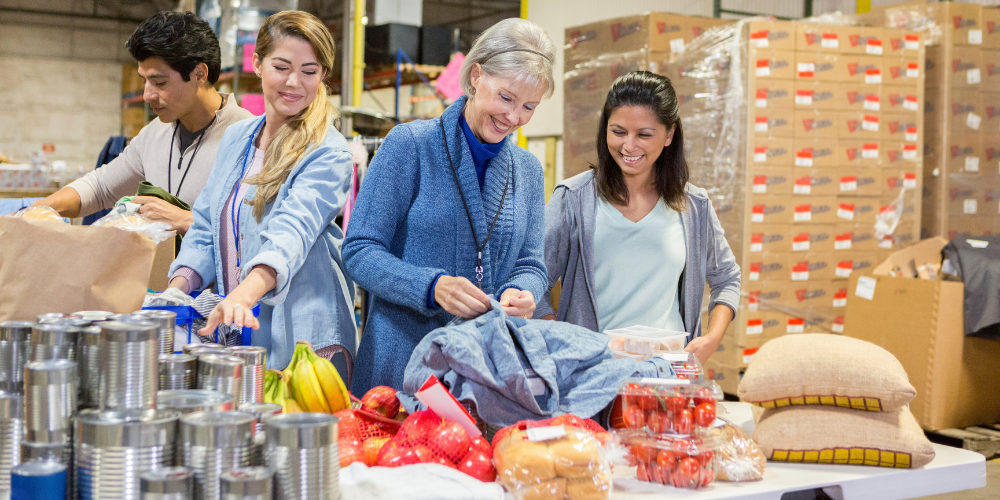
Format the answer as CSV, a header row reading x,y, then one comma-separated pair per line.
x,y
481,153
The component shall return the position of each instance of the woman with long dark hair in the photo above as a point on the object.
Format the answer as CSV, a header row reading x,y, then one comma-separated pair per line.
x,y
631,240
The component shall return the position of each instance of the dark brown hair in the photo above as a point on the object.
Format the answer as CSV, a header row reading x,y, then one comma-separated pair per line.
x,y
654,92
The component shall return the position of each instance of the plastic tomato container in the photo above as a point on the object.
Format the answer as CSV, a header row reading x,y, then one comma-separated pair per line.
x,y
668,406
685,365
646,341
679,461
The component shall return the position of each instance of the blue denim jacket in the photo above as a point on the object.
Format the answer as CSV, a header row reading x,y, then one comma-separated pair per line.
x,y
314,298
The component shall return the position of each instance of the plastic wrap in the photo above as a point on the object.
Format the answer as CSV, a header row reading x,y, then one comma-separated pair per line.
x,y
664,406
556,462
738,458
39,213
672,460
158,231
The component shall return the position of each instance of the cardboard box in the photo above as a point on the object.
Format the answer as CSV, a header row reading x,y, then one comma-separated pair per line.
x,y
771,180
989,130
752,329
902,43
132,84
770,238
901,155
819,66
808,266
863,181
893,180
813,210
771,34
773,123
813,152
772,64
811,238
991,28
869,70
815,181
866,40
764,295
771,93
773,152
814,37
901,99
817,95
964,111
728,377
847,265
860,97
904,71
768,209
766,266
859,152
902,127
859,125
850,237
964,154
921,323
806,295
162,258
990,162
991,69
857,209
815,123
963,68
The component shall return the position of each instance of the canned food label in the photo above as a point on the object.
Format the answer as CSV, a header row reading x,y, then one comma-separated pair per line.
x,y
838,327
804,97
840,298
759,39
804,158
758,213
800,242
748,354
807,70
803,185
757,242
803,213
800,272
761,98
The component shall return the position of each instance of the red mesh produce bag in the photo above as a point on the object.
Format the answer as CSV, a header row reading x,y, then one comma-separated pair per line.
x,y
362,435
566,419
425,437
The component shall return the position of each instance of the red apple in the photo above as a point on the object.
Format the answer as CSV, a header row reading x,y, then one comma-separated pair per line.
x,y
418,426
350,452
478,465
382,400
451,440
480,443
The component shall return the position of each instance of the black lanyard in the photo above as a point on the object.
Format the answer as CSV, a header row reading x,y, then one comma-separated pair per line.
x,y
472,225
180,161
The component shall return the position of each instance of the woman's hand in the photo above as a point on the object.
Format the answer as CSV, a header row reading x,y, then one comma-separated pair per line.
x,y
718,320
703,347
460,297
158,210
517,303
237,309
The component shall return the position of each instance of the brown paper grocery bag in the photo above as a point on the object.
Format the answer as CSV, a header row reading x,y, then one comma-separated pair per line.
x,y
48,266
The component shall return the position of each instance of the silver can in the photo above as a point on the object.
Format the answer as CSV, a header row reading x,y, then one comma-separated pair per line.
x,y
49,400
11,430
50,452
218,372
261,411
168,483
112,452
15,350
247,483
302,450
128,318
177,371
94,316
194,400
40,480
88,355
213,443
255,359
53,341
129,359
166,323
52,317
190,347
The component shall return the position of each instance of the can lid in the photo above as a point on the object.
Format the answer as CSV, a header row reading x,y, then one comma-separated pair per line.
x,y
126,429
301,430
220,365
251,354
168,480
118,331
94,315
218,429
247,481
190,347
15,330
191,400
74,321
259,410
176,359
164,319
38,468
11,406
44,318
51,372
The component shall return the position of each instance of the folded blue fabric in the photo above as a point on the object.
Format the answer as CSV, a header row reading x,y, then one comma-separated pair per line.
x,y
515,369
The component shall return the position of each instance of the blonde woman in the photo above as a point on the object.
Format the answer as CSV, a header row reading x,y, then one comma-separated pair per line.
x,y
263,226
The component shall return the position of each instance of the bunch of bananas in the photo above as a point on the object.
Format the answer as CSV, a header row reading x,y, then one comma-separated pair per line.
x,y
309,383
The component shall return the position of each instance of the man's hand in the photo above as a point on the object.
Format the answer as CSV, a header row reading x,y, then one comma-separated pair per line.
x,y
517,303
158,210
460,297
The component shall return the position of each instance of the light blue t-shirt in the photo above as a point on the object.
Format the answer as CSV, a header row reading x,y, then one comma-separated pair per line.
x,y
638,268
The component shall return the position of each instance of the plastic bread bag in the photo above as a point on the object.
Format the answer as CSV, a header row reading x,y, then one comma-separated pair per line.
x,y
560,462
39,213
158,231
738,458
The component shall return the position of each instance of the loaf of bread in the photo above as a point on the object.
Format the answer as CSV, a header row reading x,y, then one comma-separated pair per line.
x,y
567,468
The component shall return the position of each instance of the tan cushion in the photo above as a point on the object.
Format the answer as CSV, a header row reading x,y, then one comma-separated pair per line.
x,y
824,369
817,434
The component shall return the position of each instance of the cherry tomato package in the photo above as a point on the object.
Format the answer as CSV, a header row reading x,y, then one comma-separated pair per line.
x,y
679,461
665,406
426,437
560,462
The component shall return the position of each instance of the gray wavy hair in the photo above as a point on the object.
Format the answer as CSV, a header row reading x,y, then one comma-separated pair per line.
x,y
513,48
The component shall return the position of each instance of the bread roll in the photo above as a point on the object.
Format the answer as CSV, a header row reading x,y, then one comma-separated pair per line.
x,y
520,461
549,490
575,455
597,487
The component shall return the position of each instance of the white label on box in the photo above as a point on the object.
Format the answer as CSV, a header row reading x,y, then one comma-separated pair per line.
x,y
760,125
803,162
969,206
975,37
830,41
838,327
912,42
849,183
874,76
759,157
757,217
761,103
972,76
800,275
536,434
756,247
869,151
973,121
844,272
910,181
885,242
755,327
748,355
866,288
845,212
874,47
911,104
807,67
909,154
804,98
912,71
802,188
754,276
800,246
763,70
677,45
911,134
841,302
971,163
870,123
977,243
760,41
796,327
872,104
803,216
842,244
759,188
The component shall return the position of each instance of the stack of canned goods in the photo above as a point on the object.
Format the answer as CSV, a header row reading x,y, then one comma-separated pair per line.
x,y
94,406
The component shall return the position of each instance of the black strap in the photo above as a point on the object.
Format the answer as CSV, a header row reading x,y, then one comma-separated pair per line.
x,y
468,213
180,160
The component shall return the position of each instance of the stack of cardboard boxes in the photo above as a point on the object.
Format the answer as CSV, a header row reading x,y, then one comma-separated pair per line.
x,y
133,108
834,137
962,160
598,53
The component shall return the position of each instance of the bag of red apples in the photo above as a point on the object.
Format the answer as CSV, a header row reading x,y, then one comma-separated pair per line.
x,y
364,431
561,458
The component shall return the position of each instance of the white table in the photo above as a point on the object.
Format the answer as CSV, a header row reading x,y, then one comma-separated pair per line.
x,y
951,470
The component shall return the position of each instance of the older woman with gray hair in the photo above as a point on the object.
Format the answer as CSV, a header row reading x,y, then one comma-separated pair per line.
x,y
452,212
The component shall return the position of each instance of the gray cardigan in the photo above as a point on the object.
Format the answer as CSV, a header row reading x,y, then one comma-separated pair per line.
x,y
569,255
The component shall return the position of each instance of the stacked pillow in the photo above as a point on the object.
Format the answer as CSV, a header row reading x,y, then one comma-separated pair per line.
x,y
834,400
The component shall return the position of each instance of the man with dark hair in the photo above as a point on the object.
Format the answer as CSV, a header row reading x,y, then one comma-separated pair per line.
x,y
179,59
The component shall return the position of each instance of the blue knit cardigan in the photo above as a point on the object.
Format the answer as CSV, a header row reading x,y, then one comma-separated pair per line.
x,y
409,225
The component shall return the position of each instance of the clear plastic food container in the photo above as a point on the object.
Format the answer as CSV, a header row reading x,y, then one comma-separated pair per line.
x,y
679,461
646,341
668,406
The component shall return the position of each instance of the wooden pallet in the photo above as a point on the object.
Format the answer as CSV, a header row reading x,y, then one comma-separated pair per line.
x,y
984,440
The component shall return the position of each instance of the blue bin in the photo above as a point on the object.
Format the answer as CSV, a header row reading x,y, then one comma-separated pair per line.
x,y
187,314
